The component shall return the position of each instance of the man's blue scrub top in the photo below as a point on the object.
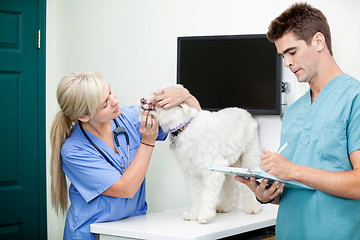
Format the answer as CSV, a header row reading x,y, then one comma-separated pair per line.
x,y
90,175
321,135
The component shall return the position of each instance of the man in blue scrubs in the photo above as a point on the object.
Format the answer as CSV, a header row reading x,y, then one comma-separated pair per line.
x,y
323,129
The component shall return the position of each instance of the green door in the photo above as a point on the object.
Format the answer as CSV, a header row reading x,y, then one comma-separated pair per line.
x,y
22,120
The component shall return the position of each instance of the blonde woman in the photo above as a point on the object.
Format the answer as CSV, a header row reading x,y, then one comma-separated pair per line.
x,y
103,150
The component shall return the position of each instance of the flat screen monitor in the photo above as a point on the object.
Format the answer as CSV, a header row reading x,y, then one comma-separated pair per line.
x,y
231,71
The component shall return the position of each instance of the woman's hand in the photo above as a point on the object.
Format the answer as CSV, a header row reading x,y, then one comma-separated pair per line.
x,y
149,128
170,97
132,178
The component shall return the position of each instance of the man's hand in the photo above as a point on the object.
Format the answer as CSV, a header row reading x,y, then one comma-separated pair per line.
x,y
277,165
263,191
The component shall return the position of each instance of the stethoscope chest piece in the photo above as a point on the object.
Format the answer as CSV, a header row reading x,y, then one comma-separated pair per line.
x,y
120,130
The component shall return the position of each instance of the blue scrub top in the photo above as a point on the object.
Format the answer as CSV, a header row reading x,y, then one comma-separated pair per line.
x,y
90,174
321,135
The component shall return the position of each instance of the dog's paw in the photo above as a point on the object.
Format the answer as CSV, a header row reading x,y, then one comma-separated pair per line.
x,y
223,209
253,208
206,217
188,216
203,220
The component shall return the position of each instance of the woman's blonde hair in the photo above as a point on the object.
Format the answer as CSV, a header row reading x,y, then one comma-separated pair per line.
x,y
78,94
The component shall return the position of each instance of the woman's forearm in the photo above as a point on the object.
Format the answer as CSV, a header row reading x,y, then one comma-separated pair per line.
x,y
131,180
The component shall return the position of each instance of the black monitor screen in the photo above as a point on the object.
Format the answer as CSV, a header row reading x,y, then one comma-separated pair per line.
x,y
231,71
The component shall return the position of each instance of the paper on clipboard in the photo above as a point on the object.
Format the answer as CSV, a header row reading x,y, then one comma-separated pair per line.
x,y
257,173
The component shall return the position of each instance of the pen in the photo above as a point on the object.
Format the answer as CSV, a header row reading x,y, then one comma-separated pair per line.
x,y
283,147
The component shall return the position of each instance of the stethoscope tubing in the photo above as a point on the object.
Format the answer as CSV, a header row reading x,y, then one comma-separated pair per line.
x,y
118,130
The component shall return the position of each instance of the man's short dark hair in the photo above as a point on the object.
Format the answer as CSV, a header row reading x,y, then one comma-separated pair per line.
x,y
304,21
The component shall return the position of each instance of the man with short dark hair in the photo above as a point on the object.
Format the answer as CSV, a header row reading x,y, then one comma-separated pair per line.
x,y
323,129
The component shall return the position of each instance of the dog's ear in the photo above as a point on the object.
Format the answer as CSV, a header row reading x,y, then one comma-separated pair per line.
x,y
185,108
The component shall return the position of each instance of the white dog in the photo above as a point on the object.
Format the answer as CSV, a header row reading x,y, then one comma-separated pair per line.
x,y
228,137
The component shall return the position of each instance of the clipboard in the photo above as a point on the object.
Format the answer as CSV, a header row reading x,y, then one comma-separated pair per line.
x,y
257,173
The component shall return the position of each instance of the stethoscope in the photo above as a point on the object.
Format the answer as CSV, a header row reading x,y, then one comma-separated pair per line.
x,y
118,130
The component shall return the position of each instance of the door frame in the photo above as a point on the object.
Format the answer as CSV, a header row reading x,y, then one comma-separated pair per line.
x,y
42,120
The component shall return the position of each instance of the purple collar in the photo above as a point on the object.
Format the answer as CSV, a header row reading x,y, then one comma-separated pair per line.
x,y
180,126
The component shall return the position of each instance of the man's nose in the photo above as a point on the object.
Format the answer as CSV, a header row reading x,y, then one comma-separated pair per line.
x,y
288,61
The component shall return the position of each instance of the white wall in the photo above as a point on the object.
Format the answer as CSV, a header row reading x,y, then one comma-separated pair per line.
x,y
133,44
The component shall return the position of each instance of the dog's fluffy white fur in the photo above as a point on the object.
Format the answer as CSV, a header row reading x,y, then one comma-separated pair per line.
x,y
228,137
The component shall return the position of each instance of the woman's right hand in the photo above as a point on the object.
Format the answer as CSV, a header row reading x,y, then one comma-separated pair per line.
x,y
131,180
149,128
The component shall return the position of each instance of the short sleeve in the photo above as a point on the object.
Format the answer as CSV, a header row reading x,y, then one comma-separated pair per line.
x,y
354,126
88,171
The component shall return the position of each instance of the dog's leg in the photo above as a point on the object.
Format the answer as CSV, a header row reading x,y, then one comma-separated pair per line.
x,y
251,205
193,189
194,184
251,159
209,198
228,195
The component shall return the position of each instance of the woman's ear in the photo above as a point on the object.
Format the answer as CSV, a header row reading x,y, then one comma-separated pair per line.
x,y
84,118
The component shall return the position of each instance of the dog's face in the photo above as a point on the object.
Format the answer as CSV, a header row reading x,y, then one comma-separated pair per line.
x,y
170,118
146,104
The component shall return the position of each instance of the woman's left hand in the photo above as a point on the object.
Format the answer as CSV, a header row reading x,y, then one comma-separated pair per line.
x,y
170,97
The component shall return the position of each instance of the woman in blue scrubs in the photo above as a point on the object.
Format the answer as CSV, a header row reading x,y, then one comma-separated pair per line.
x,y
106,170
323,131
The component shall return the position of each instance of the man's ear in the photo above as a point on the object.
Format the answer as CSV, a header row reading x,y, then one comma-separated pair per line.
x,y
84,118
319,41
